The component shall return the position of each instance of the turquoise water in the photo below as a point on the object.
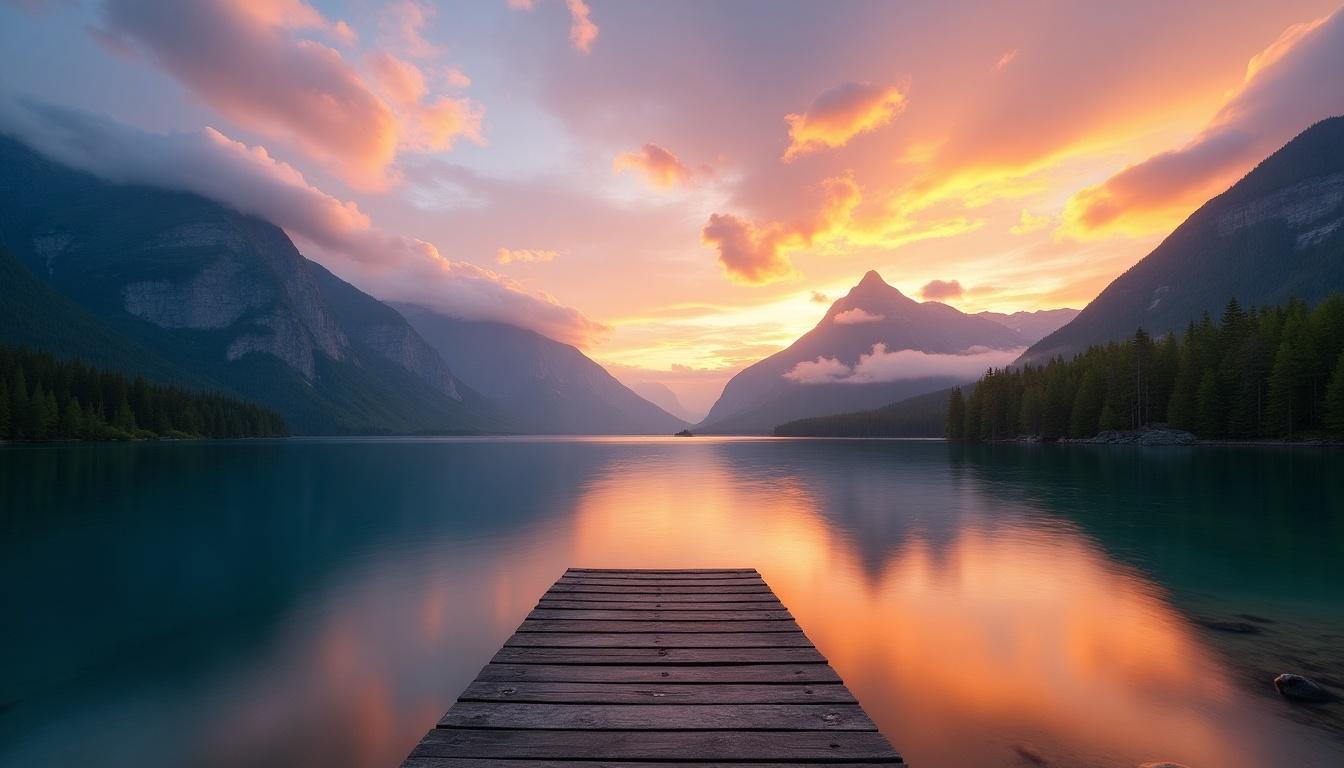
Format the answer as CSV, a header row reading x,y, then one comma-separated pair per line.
x,y
322,602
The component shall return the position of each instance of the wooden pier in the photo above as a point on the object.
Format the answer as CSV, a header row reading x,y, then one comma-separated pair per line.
x,y
645,669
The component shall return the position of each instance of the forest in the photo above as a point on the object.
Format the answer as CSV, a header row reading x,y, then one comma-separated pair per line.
x,y
45,398
1273,372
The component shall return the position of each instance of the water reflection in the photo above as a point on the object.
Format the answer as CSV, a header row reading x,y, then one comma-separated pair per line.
x,y
321,603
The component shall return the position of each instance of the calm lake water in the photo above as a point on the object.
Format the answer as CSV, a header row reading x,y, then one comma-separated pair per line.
x,y
321,603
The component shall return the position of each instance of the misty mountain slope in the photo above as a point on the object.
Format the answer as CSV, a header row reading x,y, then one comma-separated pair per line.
x,y
662,396
873,312
1276,233
545,387
225,299
1033,326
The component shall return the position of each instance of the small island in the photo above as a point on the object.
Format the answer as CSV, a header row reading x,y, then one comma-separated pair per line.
x,y
685,433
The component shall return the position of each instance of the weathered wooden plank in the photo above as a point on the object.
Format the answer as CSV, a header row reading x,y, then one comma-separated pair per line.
x,y
657,693
761,589
654,669
653,640
456,762
625,656
675,572
700,604
720,674
589,614
612,627
667,717
685,746
593,581
671,575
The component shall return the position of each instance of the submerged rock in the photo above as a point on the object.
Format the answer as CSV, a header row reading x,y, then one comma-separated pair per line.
x,y
1301,688
1232,627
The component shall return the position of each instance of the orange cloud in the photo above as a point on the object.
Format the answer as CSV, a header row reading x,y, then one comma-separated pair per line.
x,y
754,254
1005,60
659,166
424,125
841,113
524,256
749,254
1288,86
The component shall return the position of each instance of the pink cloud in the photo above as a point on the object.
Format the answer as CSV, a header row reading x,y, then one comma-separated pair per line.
x,y
400,81
403,23
334,232
244,61
841,113
938,290
456,78
582,30
856,316
659,166
879,366
1288,86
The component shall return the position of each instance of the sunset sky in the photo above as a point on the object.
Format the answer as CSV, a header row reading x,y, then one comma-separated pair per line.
x,y
681,188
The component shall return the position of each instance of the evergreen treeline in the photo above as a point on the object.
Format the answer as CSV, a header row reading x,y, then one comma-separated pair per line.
x,y
1273,372
43,398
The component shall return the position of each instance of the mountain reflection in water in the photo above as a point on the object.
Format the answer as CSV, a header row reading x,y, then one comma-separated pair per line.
x,y
322,602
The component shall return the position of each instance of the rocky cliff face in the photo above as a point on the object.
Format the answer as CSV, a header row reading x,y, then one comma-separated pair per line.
x,y
228,299
1274,235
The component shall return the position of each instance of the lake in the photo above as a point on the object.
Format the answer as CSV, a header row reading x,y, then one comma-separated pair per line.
x,y
322,602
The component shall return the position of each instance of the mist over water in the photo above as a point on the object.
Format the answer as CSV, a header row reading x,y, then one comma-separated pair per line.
x,y
322,602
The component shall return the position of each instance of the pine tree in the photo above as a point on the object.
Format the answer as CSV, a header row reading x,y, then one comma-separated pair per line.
x,y
1181,409
37,414
19,417
956,415
1210,416
72,420
1286,379
124,419
52,413
4,409
1087,405
1334,399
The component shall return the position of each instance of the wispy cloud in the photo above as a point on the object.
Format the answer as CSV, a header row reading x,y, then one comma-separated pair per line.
x,y
1288,86
339,234
880,366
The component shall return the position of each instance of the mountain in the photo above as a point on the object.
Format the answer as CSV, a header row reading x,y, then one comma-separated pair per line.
x,y
545,386
185,290
919,416
662,396
872,313
1032,326
1274,234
